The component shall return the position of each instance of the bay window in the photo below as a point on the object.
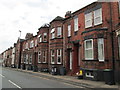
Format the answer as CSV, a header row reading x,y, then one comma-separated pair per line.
x,y
88,49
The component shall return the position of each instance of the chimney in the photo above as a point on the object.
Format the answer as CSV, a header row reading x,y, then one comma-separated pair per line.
x,y
68,14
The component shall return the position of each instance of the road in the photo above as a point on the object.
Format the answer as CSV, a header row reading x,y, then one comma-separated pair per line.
x,y
16,79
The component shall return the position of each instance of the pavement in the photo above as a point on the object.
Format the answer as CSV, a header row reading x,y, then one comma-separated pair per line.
x,y
71,80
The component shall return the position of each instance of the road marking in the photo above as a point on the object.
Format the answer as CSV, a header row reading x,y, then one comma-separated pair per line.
x,y
2,75
14,84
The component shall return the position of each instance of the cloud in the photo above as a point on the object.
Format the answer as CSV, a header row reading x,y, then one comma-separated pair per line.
x,y
29,15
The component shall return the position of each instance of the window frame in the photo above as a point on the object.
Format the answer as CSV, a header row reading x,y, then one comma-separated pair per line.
x,y
59,56
69,30
59,31
86,58
52,55
101,60
30,59
98,16
44,57
39,56
75,24
88,18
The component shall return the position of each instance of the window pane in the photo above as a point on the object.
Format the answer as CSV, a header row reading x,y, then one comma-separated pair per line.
x,y
88,20
88,44
58,31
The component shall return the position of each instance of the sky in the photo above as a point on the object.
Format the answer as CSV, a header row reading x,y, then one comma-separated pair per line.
x,y
29,15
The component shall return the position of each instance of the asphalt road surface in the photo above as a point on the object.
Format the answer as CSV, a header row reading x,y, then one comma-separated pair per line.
x,y
15,79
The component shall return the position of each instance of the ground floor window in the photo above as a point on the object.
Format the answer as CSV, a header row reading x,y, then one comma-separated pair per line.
x,y
44,56
39,57
52,56
26,58
30,60
59,54
101,49
88,49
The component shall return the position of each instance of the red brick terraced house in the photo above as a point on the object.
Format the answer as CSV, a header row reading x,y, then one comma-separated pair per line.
x,y
27,52
56,45
42,48
88,40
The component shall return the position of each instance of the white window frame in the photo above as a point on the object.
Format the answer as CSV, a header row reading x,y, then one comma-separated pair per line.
x,y
39,57
52,56
30,60
44,56
102,41
45,39
69,30
96,16
76,24
59,31
89,49
88,20
59,56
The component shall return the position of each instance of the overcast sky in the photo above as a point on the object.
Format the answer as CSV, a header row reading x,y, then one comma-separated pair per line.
x,y
29,15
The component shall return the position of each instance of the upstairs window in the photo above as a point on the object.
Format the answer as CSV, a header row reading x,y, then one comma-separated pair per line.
x,y
52,57
26,45
69,30
98,16
101,49
31,44
88,20
45,37
76,24
40,38
59,31
36,42
59,58
52,33
88,49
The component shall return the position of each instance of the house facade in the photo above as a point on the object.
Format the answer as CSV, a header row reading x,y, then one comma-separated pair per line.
x,y
56,44
88,40
42,48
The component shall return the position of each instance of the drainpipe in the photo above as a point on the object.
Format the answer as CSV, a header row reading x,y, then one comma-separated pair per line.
x,y
112,40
